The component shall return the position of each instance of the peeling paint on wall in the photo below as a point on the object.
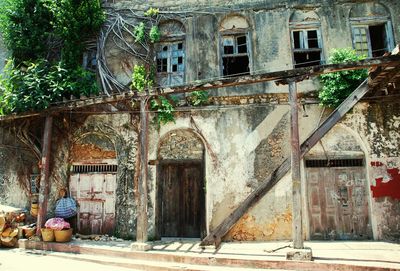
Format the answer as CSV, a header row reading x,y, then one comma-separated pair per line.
x,y
248,229
387,185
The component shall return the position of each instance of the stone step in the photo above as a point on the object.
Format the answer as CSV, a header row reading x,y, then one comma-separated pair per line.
x,y
202,259
147,265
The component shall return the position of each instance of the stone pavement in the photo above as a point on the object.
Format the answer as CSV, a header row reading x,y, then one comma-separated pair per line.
x,y
328,255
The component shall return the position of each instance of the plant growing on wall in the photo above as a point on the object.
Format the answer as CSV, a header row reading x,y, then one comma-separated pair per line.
x,y
198,98
45,38
154,34
337,86
141,79
164,108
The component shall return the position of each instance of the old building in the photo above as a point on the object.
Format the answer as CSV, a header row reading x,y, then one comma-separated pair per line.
x,y
202,166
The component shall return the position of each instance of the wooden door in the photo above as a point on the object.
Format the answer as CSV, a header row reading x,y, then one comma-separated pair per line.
x,y
95,195
338,205
181,194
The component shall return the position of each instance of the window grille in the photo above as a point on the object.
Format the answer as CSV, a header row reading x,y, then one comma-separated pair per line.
x,y
94,168
335,163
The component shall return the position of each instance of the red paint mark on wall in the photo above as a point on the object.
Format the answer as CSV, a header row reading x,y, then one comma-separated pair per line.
x,y
390,188
376,164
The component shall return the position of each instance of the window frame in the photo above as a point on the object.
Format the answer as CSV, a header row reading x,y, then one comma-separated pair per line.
x,y
169,74
304,29
235,34
366,22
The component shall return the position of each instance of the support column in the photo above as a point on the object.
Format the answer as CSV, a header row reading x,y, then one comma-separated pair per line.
x,y
142,219
44,175
295,166
299,253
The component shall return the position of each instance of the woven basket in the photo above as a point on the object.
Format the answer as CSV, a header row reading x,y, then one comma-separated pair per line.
x,y
34,209
47,235
63,235
9,241
29,232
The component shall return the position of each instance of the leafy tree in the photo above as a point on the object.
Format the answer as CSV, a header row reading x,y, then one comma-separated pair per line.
x,y
25,27
337,86
73,22
34,79
35,85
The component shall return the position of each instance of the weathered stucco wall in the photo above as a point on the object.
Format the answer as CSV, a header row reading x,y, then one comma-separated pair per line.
x,y
243,145
18,163
377,125
269,33
244,139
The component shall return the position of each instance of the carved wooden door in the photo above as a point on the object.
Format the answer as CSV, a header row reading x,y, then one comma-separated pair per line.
x,y
95,195
182,199
337,203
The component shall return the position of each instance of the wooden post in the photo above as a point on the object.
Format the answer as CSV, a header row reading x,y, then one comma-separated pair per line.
x,y
295,165
141,232
44,175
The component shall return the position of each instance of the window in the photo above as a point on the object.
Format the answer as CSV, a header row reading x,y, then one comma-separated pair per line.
x,y
235,48
170,63
306,45
235,57
370,40
170,54
371,28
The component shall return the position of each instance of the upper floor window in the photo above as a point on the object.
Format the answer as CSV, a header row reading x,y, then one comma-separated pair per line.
x,y
235,49
306,39
371,29
170,54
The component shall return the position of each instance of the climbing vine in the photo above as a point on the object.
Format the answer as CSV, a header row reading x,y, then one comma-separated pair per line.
x,y
198,98
142,79
337,86
46,39
164,109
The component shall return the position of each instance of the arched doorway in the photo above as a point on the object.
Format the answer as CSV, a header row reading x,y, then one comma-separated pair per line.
x,y
337,188
180,209
93,183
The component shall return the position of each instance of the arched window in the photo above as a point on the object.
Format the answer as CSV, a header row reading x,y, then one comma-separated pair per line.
x,y
305,30
235,49
170,54
371,29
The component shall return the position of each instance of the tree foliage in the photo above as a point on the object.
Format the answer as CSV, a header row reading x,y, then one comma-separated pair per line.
x,y
25,27
73,22
34,85
32,30
164,108
337,86
141,78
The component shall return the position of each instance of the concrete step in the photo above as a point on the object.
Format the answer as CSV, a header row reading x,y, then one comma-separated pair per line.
x,y
203,260
147,265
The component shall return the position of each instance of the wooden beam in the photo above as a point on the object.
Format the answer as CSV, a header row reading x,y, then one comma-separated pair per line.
x,y
286,74
141,230
297,227
44,175
334,118
214,84
216,235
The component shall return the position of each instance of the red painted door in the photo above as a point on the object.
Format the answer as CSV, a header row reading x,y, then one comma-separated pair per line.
x,y
337,203
95,195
